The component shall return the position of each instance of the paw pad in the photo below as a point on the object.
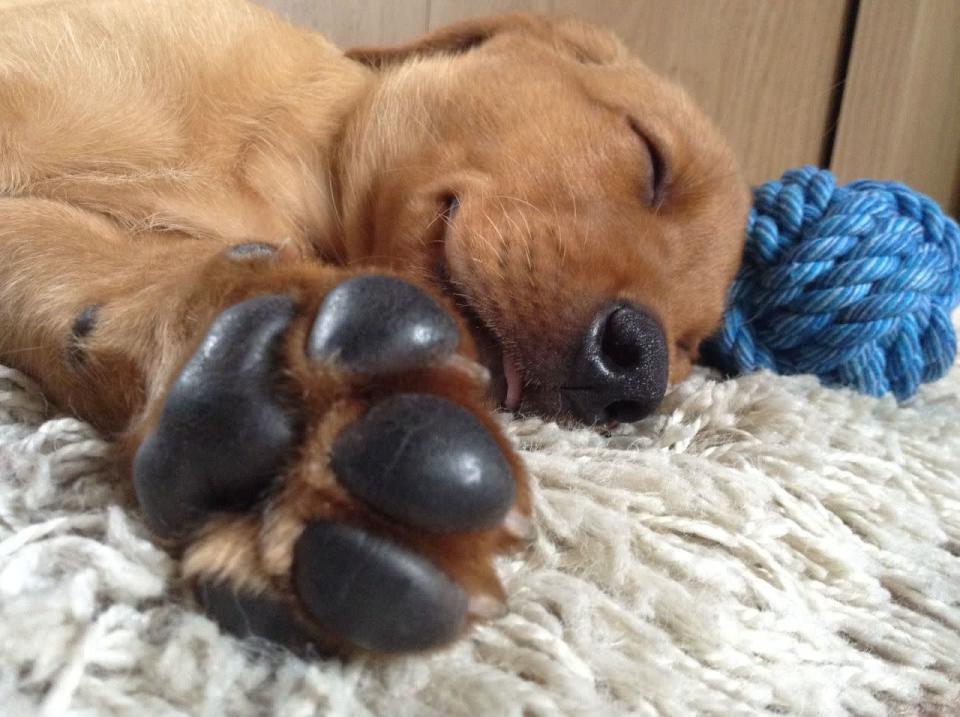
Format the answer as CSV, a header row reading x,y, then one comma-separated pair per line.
x,y
377,324
426,462
422,464
222,436
245,614
374,593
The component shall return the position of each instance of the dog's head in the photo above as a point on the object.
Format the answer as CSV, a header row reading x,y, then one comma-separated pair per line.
x,y
582,212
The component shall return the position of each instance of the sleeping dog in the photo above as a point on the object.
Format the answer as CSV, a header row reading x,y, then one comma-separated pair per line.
x,y
293,283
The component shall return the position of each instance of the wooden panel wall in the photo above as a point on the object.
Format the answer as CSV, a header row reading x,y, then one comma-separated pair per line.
x,y
900,117
357,22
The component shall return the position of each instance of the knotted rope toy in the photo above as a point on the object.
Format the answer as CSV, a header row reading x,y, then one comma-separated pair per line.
x,y
852,283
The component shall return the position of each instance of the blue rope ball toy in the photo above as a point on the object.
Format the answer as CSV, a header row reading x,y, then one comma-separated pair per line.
x,y
854,284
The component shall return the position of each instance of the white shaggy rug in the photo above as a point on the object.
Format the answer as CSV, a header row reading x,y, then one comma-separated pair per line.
x,y
761,546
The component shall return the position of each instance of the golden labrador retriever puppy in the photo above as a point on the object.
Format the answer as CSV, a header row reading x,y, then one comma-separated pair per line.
x,y
288,279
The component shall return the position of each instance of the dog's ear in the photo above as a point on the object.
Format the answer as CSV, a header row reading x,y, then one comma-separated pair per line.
x,y
582,41
451,40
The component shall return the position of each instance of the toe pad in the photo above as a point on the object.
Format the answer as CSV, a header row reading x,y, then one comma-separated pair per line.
x,y
378,324
374,593
245,615
427,462
222,436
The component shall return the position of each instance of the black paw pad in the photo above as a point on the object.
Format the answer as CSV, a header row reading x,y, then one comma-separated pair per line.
x,y
375,594
377,324
222,436
427,462
248,615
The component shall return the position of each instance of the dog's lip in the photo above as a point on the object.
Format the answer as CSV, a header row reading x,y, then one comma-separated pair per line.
x,y
513,375
506,370
504,367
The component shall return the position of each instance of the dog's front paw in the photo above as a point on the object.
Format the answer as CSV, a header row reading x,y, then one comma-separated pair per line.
x,y
325,460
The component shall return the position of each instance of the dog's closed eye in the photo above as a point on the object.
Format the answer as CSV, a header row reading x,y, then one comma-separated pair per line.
x,y
658,172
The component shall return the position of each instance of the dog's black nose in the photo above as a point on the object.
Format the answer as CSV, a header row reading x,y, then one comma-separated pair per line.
x,y
620,373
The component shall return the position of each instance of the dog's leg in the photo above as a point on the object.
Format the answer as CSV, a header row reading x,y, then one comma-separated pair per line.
x,y
313,439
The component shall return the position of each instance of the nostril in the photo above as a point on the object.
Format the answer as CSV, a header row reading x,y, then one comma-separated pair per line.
x,y
618,344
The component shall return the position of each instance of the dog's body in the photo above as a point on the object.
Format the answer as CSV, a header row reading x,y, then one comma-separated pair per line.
x,y
180,185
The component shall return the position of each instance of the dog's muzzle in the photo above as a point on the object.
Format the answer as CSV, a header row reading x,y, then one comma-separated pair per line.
x,y
620,371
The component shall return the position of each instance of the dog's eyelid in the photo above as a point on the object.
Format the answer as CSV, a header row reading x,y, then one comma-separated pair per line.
x,y
659,167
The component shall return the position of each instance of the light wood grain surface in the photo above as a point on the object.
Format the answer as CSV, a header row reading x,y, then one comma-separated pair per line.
x,y
900,117
357,22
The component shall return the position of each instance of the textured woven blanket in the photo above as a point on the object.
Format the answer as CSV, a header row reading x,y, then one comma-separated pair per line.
x,y
760,546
